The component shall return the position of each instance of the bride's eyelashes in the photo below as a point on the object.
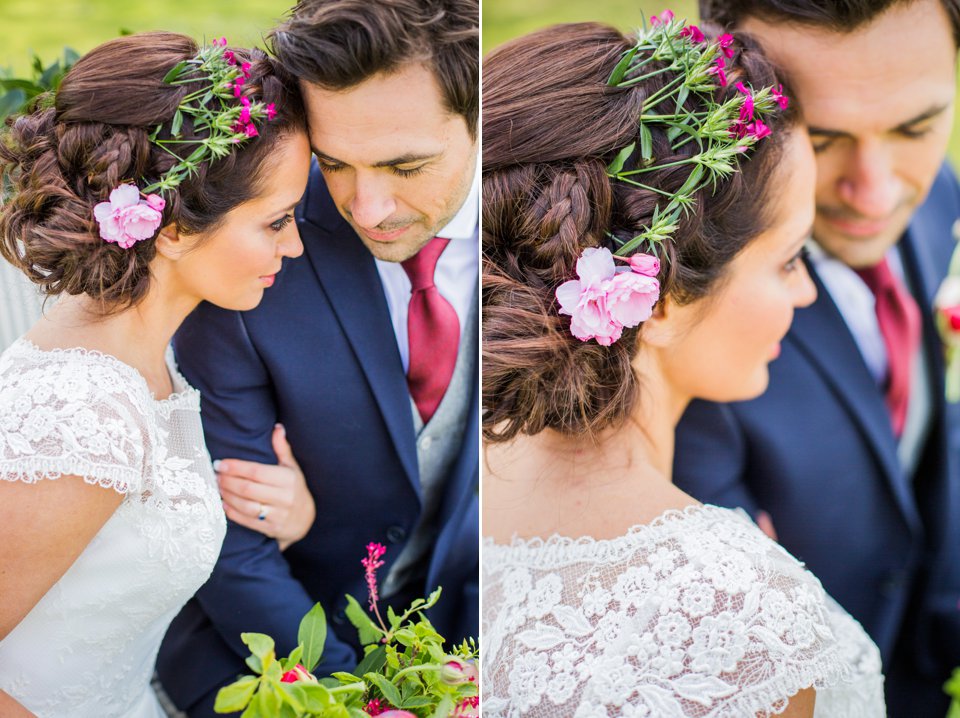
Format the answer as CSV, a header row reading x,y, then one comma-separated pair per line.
x,y
282,222
795,260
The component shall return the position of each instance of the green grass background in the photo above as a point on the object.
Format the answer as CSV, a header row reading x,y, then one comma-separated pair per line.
x,y
46,26
506,19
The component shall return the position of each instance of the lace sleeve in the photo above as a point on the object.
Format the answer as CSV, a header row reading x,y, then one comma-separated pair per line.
x,y
60,417
697,615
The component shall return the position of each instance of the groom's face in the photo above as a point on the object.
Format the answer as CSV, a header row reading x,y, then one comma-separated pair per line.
x,y
878,102
397,162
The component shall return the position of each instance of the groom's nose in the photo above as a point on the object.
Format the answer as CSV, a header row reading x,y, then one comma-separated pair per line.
x,y
372,201
869,183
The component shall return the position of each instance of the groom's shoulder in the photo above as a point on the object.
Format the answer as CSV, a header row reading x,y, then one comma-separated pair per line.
x,y
940,209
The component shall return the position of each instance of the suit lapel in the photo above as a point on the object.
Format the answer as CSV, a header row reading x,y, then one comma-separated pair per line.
x,y
349,277
844,371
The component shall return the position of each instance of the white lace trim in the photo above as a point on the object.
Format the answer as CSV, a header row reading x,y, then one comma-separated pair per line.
x,y
695,614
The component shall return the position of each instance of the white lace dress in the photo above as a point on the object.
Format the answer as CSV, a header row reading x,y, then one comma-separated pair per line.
x,y
697,614
88,648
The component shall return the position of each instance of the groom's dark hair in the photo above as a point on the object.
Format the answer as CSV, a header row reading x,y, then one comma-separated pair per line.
x,y
338,44
835,15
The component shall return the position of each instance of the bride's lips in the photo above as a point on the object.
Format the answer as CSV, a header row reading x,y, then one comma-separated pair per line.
x,y
268,279
776,352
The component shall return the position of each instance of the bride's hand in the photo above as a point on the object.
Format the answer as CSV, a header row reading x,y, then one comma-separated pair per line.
x,y
273,500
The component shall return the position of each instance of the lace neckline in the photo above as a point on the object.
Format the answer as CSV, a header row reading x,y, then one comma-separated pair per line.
x,y
557,547
183,393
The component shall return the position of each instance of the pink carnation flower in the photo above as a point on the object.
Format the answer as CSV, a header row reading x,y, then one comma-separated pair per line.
x,y
725,41
604,299
694,33
777,94
665,17
718,70
126,219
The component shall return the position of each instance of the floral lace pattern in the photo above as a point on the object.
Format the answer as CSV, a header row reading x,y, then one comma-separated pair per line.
x,y
89,645
697,614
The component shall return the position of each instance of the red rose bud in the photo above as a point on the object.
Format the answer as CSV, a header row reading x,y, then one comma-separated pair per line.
x,y
952,315
299,673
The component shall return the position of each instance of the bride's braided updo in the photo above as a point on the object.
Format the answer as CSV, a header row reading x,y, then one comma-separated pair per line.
x,y
56,163
551,126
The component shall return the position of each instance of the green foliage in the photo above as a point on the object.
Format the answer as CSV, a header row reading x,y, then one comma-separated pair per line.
x,y
20,94
406,666
952,689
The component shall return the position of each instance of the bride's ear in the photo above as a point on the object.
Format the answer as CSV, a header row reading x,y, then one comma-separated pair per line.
x,y
170,243
660,330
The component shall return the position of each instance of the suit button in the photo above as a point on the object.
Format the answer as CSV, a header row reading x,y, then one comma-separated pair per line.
x,y
426,442
340,618
396,534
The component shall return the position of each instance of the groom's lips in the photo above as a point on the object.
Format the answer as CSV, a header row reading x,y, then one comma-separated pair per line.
x,y
384,236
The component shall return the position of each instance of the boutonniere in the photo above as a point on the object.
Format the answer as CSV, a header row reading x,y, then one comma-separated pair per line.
x,y
946,306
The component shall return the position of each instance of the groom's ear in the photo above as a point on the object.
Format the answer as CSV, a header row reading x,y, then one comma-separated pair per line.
x,y
170,243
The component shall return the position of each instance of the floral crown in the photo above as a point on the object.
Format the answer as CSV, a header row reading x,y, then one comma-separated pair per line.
x,y
217,107
606,298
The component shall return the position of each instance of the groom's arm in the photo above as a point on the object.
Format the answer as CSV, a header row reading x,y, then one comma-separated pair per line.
x,y
251,587
710,459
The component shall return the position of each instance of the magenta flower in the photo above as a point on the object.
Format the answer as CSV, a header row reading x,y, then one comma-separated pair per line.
x,y
725,41
245,70
746,109
371,563
222,42
758,129
376,707
694,33
126,219
718,70
777,94
665,17
604,299
251,130
230,57
271,111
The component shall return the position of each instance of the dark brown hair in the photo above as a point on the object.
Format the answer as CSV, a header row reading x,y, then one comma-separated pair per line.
x,y
551,126
57,163
338,44
835,15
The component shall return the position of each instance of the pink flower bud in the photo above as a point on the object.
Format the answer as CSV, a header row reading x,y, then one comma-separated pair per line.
x,y
298,673
456,671
645,264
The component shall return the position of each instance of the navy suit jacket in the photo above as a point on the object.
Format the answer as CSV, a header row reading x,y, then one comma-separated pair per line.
x,y
319,355
817,452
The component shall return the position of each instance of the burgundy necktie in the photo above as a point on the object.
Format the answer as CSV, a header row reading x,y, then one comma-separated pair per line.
x,y
433,331
899,320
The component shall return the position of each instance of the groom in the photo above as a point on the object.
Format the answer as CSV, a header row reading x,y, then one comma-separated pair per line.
x,y
365,350
852,457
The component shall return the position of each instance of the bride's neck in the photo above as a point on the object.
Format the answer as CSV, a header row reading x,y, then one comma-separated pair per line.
x,y
591,485
138,336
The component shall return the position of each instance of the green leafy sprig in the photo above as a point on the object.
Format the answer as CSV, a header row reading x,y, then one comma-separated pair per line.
x,y
723,132
218,111
405,667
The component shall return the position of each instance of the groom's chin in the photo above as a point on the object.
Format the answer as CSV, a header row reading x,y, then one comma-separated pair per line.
x,y
397,250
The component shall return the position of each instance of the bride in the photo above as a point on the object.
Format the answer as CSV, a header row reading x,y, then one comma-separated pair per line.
x,y
139,194
606,590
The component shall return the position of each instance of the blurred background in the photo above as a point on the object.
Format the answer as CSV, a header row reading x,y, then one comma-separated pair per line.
x,y
28,26
506,19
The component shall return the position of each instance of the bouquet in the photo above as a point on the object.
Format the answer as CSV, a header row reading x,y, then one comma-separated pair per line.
x,y
405,673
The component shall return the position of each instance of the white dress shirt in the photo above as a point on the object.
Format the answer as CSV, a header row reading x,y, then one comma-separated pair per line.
x,y
455,276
